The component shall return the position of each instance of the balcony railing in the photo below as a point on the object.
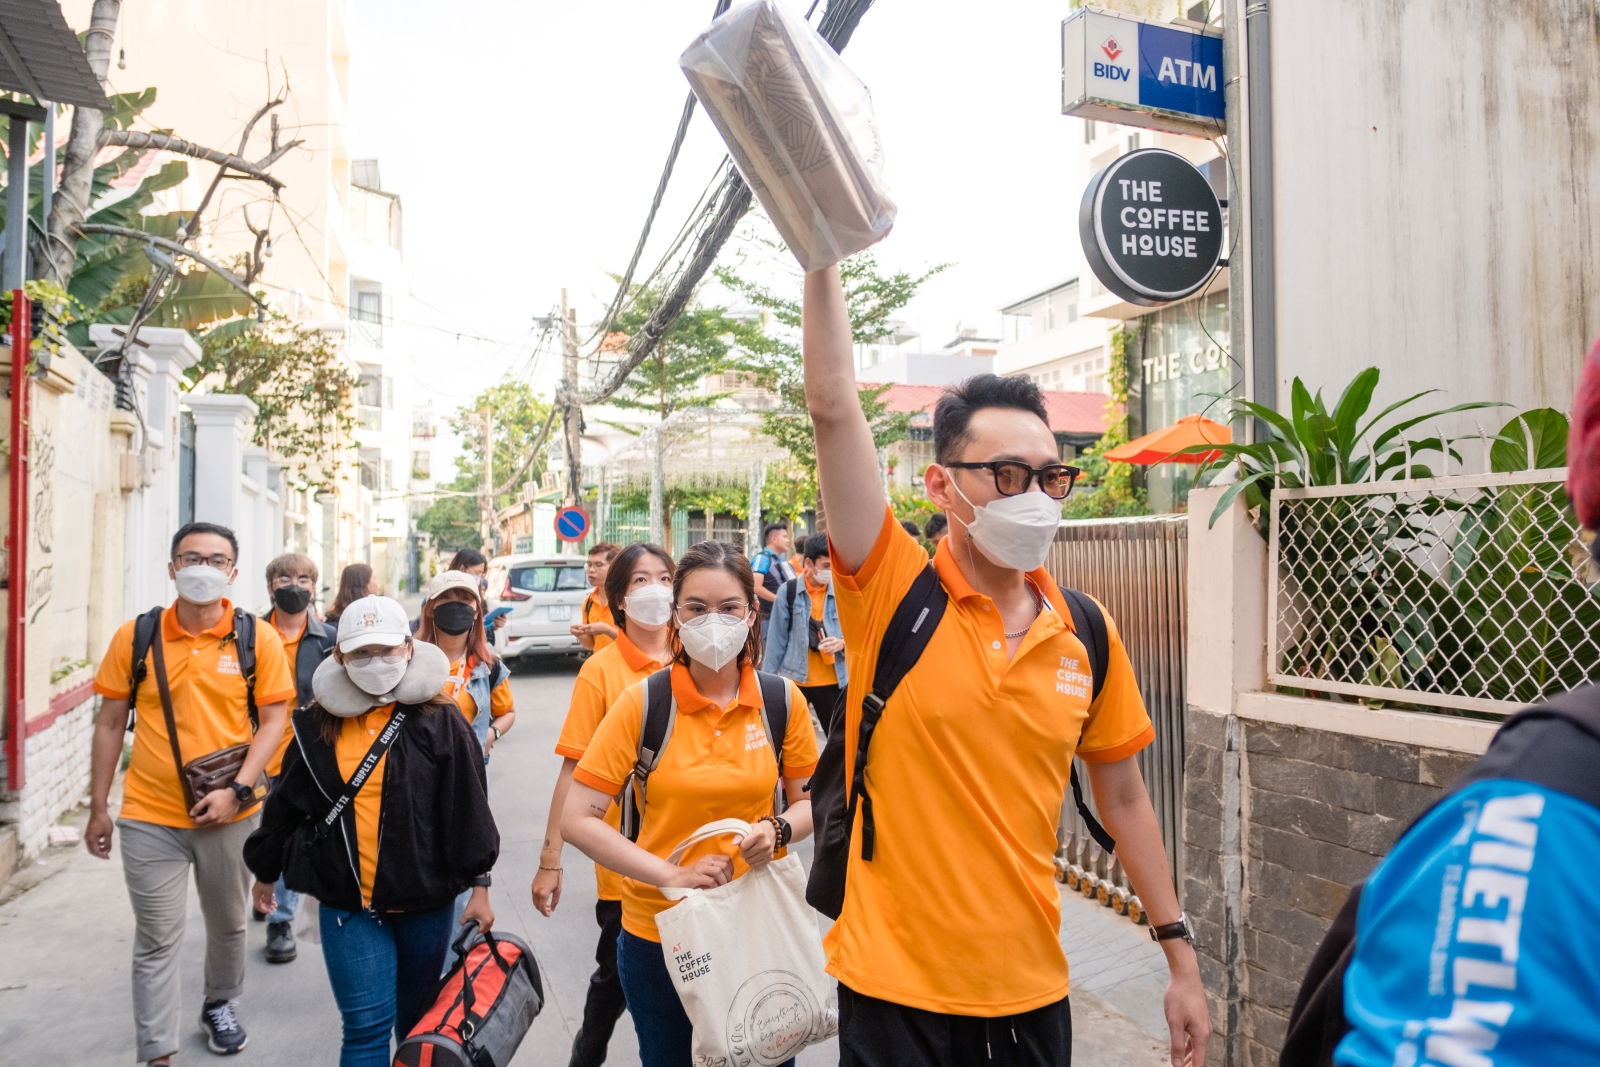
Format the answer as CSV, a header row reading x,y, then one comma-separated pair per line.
x,y
1466,592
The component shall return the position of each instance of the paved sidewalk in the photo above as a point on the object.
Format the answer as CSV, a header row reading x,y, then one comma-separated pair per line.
x,y
65,949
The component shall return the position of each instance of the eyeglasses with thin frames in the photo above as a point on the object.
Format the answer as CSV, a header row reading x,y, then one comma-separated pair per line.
x,y
1012,477
195,559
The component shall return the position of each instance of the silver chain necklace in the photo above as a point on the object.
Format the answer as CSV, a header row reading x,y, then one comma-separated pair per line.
x,y
1038,607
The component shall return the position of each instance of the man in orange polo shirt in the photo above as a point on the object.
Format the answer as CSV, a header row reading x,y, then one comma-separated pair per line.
x,y
599,626
162,835
947,949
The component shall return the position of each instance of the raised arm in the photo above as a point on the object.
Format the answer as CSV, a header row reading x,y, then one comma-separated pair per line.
x,y
847,462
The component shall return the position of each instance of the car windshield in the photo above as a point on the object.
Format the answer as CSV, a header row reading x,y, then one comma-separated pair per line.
x,y
548,579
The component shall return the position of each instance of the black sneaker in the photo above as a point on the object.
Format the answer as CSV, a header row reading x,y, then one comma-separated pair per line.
x,y
224,1035
280,942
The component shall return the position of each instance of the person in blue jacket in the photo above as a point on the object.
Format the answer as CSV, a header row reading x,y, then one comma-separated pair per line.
x,y
804,641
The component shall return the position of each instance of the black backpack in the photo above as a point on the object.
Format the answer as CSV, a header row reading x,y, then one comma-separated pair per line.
x,y
145,628
655,730
833,808
1556,745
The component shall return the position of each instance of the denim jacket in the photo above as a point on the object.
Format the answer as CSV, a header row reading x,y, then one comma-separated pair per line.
x,y
480,684
787,645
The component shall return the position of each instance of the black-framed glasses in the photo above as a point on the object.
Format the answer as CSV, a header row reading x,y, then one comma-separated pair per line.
x,y
1012,477
195,559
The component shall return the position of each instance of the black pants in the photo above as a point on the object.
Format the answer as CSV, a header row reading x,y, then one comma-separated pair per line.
x,y
822,699
877,1033
604,1004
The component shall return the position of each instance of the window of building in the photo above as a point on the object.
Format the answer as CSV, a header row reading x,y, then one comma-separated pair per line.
x,y
1072,311
374,394
1018,327
386,483
371,468
422,465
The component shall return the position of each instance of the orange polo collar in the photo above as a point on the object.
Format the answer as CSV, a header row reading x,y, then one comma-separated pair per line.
x,y
172,631
689,700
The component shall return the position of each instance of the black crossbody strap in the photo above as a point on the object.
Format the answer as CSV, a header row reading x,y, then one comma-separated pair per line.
x,y
159,655
1090,623
347,794
909,631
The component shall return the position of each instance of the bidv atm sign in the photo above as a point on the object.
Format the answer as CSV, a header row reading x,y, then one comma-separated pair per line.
x,y
1128,70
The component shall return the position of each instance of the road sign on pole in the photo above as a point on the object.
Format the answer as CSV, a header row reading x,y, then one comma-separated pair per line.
x,y
572,524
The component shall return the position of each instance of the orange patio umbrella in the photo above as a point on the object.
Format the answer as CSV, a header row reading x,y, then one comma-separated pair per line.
x,y
1158,447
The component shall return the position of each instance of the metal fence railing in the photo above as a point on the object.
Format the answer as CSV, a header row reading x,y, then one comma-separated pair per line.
x,y
1466,592
1138,569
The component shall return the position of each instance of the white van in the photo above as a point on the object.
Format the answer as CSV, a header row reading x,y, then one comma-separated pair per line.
x,y
545,595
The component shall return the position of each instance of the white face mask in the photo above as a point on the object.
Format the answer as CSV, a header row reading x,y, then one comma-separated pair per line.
x,y
377,677
649,606
1014,531
201,584
713,640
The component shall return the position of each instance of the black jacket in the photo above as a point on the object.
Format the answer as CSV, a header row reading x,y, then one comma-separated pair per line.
x,y
435,831
314,646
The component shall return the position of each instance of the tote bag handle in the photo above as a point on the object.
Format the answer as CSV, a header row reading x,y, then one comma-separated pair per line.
x,y
711,829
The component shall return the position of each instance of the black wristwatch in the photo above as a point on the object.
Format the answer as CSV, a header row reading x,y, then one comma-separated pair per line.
x,y
785,831
1173,931
480,882
245,793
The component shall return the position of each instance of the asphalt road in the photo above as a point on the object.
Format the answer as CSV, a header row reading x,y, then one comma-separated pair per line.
x,y
65,945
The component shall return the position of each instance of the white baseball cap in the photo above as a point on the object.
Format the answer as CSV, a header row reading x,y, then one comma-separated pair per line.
x,y
373,620
447,580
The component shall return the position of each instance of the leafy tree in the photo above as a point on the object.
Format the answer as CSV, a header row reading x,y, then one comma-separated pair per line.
x,y
1106,489
516,417
694,347
299,382
871,298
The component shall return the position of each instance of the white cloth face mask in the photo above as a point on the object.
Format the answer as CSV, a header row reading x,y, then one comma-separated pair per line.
x,y
650,606
377,676
713,640
201,584
1014,531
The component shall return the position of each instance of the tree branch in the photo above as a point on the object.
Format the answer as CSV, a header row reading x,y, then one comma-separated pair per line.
x,y
175,248
533,453
167,143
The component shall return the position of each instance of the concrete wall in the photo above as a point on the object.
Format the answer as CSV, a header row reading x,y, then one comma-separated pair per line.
x,y
1436,166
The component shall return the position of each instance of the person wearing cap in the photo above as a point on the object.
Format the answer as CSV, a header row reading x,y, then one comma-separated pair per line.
x,y
480,682
417,832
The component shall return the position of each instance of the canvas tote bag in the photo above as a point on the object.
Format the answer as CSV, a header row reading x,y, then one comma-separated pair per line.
x,y
747,961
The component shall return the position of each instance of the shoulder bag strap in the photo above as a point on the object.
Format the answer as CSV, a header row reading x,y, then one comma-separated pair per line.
x,y
172,723
775,721
655,730
348,792
1090,623
909,631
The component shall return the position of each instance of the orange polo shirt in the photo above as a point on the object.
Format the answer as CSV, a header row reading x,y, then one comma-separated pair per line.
x,y
208,706
356,736
819,665
718,764
601,680
291,648
958,911
594,611
500,700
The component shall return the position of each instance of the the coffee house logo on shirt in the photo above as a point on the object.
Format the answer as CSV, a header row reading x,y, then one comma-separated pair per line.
x,y
1070,678
754,737
226,664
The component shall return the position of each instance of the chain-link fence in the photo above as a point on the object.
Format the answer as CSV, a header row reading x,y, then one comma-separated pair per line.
x,y
1465,592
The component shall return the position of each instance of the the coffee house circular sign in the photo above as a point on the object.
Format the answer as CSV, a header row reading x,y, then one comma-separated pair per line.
x,y
1151,227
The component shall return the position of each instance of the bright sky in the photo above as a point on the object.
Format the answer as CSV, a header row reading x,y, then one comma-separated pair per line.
x,y
526,140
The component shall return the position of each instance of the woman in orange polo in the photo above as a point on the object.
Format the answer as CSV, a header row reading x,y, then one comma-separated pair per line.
x,y
718,763
639,582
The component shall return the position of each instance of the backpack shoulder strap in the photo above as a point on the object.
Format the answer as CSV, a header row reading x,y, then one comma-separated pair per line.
x,y
775,721
244,647
655,730
1090,623
907,635
145,628
790,588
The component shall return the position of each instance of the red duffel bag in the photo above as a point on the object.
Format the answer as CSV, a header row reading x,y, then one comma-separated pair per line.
x,y
483,1008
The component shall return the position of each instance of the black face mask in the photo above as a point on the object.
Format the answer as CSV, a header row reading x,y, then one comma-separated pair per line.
x,y
454,617
291,599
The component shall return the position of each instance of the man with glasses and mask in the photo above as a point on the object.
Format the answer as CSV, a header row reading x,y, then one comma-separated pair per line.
x,y
196,676
292,582
953,957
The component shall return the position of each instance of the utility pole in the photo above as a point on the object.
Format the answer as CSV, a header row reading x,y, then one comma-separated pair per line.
x,y
486,416
572,416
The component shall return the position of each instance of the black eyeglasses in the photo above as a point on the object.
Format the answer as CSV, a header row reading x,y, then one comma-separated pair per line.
x,y
195,559
1012,477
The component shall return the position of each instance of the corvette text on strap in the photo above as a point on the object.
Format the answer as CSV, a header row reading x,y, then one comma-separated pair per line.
x,y
358,779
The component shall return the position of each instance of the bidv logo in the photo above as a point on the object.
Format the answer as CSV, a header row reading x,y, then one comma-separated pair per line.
x,y
1111,71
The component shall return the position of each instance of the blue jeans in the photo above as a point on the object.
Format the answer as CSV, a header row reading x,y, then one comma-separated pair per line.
x,y
288,903
666,1037
383,969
